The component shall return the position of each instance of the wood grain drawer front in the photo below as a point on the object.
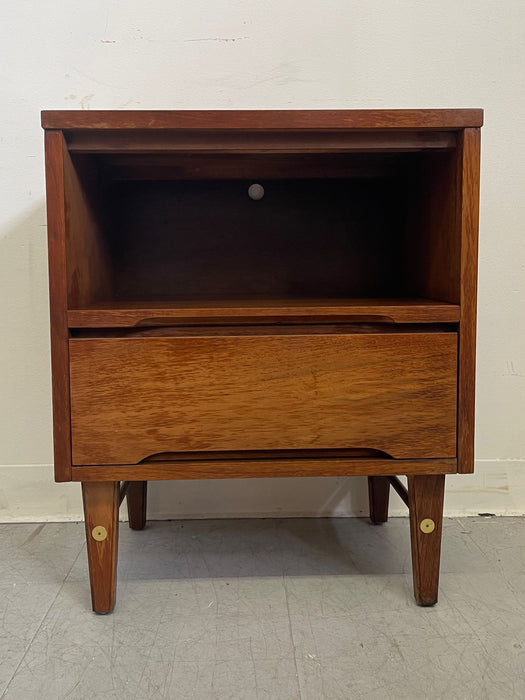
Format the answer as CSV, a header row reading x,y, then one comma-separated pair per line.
x,y
134,397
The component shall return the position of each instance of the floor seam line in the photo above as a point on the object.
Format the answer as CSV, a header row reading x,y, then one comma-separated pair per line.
x,y
292,638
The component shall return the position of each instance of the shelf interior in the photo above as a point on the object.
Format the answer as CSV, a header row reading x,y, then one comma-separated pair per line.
x,y
342,238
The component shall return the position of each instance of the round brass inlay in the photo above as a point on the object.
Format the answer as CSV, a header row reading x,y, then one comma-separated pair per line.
x,y
427,526
99,533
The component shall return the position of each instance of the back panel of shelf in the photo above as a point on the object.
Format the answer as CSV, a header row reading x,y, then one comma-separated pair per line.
x,y
303,239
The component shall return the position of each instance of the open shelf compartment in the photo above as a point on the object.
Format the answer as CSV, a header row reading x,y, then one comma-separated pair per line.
x,y
337,237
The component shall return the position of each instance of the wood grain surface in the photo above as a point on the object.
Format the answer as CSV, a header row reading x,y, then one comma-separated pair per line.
x,y
88,266
433,236
261,468
425,500
378,497
258,166
248,120
55,153
133,397
101,502
128,314
136,498
468,213
278,141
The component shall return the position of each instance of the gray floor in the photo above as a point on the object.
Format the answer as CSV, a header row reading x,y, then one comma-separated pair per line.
x,y
264,609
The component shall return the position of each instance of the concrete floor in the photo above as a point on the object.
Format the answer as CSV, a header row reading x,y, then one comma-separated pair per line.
x,y
278,609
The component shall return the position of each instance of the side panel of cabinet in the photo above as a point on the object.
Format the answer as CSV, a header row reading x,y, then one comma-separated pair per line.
x,y
468,219
55,152
442,263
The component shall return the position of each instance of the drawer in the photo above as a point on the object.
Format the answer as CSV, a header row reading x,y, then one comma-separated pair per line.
x,y
134,397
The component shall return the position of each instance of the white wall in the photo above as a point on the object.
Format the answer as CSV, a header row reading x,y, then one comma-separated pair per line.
x,y
114,54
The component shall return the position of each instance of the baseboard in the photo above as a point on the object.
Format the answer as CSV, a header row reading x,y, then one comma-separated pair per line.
x,y
29,494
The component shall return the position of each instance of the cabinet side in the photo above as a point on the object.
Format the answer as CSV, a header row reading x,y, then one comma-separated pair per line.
x,y
468,214
56,232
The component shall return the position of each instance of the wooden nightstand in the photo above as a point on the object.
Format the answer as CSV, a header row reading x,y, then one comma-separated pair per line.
x,y
262,294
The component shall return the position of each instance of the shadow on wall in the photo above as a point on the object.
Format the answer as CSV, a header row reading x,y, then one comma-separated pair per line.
x,y
25,405
27,492
280,497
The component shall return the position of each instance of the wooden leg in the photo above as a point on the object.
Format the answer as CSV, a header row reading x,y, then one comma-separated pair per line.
x,y
136,497
378,492
101,504
425,503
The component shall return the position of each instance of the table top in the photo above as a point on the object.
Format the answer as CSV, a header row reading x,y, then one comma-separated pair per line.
x,y
256,120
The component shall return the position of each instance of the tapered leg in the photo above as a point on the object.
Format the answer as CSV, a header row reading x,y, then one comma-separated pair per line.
x,y
101,504
136,497
378,492
425,503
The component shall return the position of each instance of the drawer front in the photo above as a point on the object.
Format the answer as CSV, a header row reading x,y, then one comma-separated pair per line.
x,y
134,397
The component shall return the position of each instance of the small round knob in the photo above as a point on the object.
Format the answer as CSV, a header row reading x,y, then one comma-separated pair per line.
x,y
256,191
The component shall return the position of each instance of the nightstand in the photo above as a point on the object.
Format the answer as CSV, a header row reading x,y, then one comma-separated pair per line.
x,y
246,294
